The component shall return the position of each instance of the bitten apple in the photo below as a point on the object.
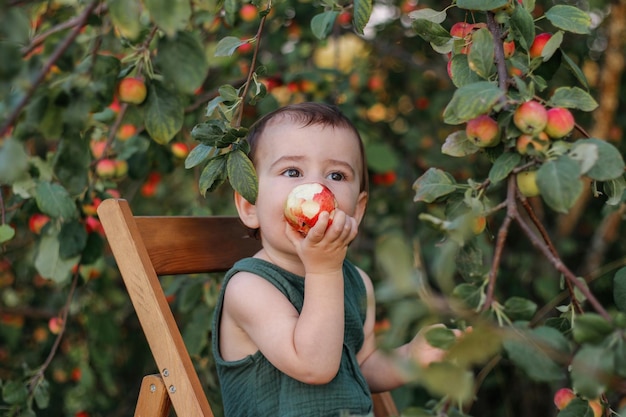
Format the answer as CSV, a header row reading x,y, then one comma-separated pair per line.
x,y
305,203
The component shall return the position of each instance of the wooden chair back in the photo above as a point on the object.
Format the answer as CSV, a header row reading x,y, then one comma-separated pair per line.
x,y
146,247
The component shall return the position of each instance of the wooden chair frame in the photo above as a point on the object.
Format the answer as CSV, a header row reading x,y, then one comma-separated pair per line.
x,y
146,247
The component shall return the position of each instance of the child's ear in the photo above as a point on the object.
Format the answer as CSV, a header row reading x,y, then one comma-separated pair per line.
x,y
361,204
247,211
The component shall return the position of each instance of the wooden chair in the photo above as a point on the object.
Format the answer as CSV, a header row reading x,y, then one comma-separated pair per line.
x,y
146,247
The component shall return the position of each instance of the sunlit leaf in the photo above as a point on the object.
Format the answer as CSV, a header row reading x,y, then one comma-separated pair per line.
x,y
572,98
457,144
470,101
361,14
434,183
481,55
6,233
13,161
569,18
426,13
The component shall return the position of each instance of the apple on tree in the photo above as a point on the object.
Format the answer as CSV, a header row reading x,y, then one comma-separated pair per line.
x,y
483,131
305,203
132,90
530,117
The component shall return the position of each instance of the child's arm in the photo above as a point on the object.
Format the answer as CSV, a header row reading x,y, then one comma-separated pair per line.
x,y
381,369
305,346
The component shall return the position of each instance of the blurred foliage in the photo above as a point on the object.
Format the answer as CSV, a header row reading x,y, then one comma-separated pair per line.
x,y
70,137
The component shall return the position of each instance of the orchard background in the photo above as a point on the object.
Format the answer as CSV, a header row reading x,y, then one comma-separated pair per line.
x,y
448,235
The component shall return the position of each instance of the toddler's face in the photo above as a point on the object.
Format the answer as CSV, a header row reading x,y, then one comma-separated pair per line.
x,y
289,154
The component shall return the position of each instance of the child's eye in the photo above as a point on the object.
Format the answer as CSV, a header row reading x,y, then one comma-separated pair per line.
x,y
291,173
336,176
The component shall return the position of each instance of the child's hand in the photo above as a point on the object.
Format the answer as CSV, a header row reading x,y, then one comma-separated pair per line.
x,y
422,352
324,248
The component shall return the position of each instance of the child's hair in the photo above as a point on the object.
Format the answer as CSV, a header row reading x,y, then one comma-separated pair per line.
x,y
309,114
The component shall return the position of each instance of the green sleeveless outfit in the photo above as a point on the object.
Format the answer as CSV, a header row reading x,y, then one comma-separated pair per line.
x,y
253,387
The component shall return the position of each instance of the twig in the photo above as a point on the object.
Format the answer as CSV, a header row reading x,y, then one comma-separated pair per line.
x,y
81,21
502,235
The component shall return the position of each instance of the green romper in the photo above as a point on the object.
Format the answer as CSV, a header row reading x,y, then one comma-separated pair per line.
x,y
253,387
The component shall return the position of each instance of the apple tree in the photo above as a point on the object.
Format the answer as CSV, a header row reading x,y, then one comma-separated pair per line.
x,y
494,154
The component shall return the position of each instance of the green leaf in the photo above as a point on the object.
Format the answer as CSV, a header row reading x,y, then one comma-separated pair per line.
x,y
591,328
503,166
126,17
572,98
615,191
10,60
14,392
470,101
42,394
54,200
575,69
523,27
6,233
72,239
569,18
471,295
552,46
196,333
461,72
536,352
610,163
484,5
50,264
481,55
381,157
457,144
198,155
431,15
449,380
213,174
591,371
322,24
13,161
434,183
170,16
477,346
431,32
586,154
182,60
518,308
242,176
361,14
228,45
440,337
71,164
394,257
164,114
619,289
559,182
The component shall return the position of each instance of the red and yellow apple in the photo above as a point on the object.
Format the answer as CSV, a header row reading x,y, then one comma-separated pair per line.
x,y
530,117
106,168
483,131
248,12
305,203
132,90
37,221
536,48
560,122
539,143
563,397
